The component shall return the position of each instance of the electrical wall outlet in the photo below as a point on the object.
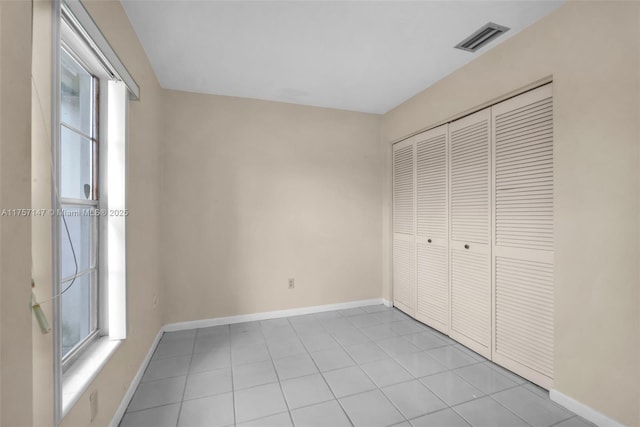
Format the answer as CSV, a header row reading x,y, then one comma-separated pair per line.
x,y
93,403
292,283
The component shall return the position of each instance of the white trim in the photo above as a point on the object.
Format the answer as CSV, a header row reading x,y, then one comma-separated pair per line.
x,y
84,370
76,12
122,408
586,412
387,303
205,323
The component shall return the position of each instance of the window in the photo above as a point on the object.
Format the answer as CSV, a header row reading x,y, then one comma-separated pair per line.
x,y
92,88
78,183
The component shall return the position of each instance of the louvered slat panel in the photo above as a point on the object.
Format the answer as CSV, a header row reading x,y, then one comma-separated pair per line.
x,y
433,289
524,176
470,183
403,190
471,296
404,273
524,313
431,175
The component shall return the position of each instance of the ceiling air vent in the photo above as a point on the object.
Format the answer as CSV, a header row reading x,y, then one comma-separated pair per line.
x,y
481,37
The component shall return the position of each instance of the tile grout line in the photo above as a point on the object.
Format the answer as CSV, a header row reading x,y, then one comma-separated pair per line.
x,y
320,372
273,364
186,379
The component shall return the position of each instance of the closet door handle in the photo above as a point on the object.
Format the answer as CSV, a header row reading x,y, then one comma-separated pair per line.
x,y
466,246
428,240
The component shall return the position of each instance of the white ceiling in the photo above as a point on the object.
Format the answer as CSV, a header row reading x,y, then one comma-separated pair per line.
x,y
355,55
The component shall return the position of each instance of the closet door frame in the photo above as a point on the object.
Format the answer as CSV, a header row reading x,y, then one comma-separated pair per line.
x,y
478,248
410,238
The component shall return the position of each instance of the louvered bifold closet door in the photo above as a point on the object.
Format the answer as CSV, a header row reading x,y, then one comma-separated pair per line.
x,y
523,239
470,236
404,244
432,228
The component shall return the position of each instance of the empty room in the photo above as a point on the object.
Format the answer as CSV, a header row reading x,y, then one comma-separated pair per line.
x,y
319,213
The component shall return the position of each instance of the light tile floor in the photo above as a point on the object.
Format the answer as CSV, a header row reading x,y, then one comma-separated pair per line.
x,y
371,366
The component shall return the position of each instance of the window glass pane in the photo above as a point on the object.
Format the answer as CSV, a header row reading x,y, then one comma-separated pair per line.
x,y
76,306
76,95
76,164
80,226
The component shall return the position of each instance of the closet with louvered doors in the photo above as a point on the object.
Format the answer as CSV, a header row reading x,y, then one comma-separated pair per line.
x,y
404,242
470,238
523,237
432,228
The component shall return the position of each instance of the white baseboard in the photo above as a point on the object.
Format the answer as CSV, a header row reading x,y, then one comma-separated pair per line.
x,y
586,412
387,303
117,417
205,323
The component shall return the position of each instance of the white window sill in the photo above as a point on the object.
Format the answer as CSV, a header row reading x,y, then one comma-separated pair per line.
x,y
77,378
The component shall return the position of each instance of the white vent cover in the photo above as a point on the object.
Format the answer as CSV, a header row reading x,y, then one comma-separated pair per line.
x,y
483,36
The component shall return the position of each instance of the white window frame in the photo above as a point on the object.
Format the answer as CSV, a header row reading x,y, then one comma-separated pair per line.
x,y
74,30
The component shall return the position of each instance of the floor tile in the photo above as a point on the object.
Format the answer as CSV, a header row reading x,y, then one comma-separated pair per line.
x,y
286,348
396,345
486,412
516,378
202,362
244,338
420,364
327,315
207,412
376,308
321,415
259,402
350,336
210,343
305,391
249,353
529,386
378,332
186,334
253,374
351,311
317,341
365,320
221,331
482,377
337,324
403,424
406,327
445,418
531,407
279,420
161,416
274,323
208,383
575,422
368,352
333,358
413,399
371,409
295,366
451,357
425,340
236,328
158,392
386,372
451,388
166,368
175,347
470,353
347,381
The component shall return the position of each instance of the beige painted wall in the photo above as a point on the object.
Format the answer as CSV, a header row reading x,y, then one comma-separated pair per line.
x,y
591,50
256,192
143,224
15,232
